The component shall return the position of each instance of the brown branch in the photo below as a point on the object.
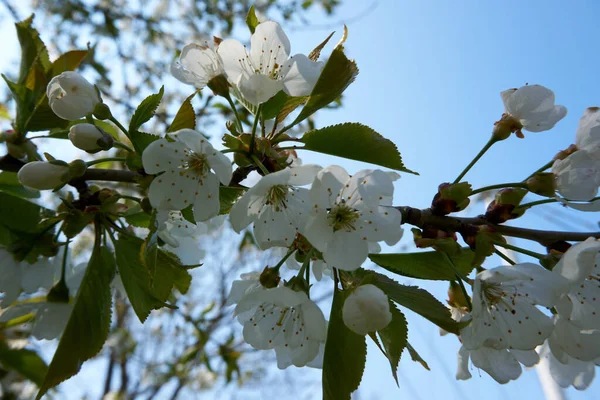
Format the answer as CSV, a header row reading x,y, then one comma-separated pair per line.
x,y
426,219
113,175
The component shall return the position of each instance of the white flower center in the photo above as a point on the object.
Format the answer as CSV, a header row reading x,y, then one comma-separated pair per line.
x,y
198,163
276,197
343,217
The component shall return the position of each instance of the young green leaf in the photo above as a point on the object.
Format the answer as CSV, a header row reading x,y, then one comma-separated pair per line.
x,y
142,114
185,117
33,50
26,362
252,20
89,322
135,277
68,61
314,55
356,142
416,357
415,299
337,74
345,355
394,339
425,265
227,196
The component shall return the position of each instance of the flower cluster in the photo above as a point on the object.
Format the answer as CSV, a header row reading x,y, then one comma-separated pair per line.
x,y
505,325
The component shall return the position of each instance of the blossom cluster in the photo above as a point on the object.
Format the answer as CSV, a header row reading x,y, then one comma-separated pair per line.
x,y
506,325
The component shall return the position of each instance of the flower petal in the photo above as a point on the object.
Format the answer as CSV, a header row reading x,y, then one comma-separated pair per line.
x,y
269,47
300,74
221,165
346,250
173,190
206,203
235,59
162,155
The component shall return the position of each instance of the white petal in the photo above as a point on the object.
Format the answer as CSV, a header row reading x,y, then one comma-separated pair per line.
x,y
499,364
528,99
588,132
50,320
173,190
193,140
235,59
592,206
579,260
206,203
505,95
317,229
529,358
10,284
462,372
346,250
273,228
269,47
221,165
574,372
314,320
257,88
300,74
582,345
303,175
162,155
577,176
246,209
327,185
544,120
37,275
586,305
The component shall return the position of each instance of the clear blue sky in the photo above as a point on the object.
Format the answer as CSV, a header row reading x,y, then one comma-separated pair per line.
x,y
430,77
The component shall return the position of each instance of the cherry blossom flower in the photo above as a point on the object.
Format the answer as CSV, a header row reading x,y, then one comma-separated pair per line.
x,y
198,64
187,178
504,314
41,175
276,206
268,68
577,177
588,132
281,319
532,108
366,309
348,213
503,365
71,96
181,236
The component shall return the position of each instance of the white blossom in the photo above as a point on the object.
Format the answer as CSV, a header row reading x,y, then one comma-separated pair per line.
x,y
501,364
349,212
281,319
366,309
89,138
22,276
187,178
41,175
532,107
571,372
197,65
181,236
504,314
588,132
268,68
71,96
276,205
577,176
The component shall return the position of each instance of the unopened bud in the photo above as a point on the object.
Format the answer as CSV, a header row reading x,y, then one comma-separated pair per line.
x,y
542,183
90,138
366,309
503,207
42,175
102,112
71,96
451,198
77,168
270,278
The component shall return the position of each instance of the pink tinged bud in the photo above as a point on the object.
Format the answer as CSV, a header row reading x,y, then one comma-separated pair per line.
x,y
90,138
43,175
71,96
366,309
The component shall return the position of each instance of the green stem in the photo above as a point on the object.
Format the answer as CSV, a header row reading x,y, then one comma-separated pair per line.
x,y
264,170
101,160
235,151
254,126
545,201
520,250
237,117
306,263
123,146
64,263
460,278
500,186
541,169
504,257
280,263
118,124
477,157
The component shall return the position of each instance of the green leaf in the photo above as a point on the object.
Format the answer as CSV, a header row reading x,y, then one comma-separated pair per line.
x,y
26,362
149,249
431,265
356,142
415,299
4,113
68,61
33,50
142,114
42,118
394,339
89,322
9,183
345,355
25,101
338,73
251,20
139,219
135,277
280,106
416,357
227,196
185,117
28,215
314,55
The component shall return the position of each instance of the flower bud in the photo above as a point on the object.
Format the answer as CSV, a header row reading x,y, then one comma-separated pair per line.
x,y
504,206
102,111
90,138
269,278
542,183
451,198
366,309
71,96
77,168
43,175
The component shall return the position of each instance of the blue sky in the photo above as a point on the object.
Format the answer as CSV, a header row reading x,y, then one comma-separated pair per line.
x,y
430,77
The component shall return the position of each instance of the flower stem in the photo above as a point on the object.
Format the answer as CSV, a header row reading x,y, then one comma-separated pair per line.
x,y
305,264
477,157
280,263
101,160
541,169
254,126
64,262
260,165
118,124
520,250
237,117
460,278
123,146
500,186
504,257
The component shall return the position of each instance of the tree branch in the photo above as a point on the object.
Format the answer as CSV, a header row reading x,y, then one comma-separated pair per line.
x,y
425,218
